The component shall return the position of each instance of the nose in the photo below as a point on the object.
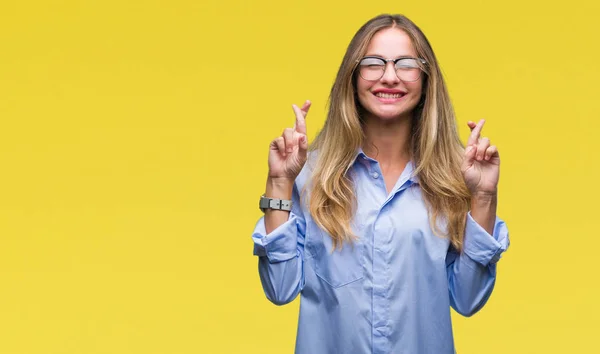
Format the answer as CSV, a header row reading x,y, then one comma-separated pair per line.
x,y
389,75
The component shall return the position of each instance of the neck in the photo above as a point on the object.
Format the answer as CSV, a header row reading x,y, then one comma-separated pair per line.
x,y
388,142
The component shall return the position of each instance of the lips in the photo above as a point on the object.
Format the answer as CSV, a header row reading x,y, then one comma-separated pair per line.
x,y
388,95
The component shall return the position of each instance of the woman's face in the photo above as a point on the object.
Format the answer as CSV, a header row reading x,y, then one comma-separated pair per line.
x,y
389,98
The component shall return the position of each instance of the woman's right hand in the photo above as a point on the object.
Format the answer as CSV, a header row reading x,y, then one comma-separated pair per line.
x,y
287,153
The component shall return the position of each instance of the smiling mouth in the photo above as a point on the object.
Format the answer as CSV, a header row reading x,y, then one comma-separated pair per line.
x,y
389,95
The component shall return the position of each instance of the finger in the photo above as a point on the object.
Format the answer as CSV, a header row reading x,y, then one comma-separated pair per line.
x,y
474,137
482,146
471,125
492,151
288,137
302,145
306,107
300,125
469,157
279,145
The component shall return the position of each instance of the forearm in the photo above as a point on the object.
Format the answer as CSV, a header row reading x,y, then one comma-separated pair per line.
x,y
483,210
281,281
470,285
279,243
472,272
281,189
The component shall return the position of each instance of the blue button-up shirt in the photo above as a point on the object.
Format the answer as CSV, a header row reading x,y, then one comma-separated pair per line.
x,y
389,292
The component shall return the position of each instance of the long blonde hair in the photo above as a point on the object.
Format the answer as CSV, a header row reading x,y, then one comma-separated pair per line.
x,y
435,147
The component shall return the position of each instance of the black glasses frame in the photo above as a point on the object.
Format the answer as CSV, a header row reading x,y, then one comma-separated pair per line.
x,y
420,61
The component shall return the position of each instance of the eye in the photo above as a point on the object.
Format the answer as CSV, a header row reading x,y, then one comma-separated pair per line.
x,y
407,63
372,62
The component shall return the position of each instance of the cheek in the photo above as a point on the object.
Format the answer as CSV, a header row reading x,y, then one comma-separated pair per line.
x,y
415,88
362,85
362,89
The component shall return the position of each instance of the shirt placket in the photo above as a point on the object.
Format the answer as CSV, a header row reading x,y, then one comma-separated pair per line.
x,y
381,276
381,264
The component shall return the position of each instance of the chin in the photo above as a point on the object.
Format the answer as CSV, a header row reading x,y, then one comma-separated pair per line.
x,y
390,113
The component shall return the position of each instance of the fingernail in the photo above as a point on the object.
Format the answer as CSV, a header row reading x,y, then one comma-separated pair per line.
x,y
469,148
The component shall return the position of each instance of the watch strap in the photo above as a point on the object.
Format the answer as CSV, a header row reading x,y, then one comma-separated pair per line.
x,y
274,203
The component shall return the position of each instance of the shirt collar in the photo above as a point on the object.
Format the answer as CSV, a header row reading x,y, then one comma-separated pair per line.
x,y
360,156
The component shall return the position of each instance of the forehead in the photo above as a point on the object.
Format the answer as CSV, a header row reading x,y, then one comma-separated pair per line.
x,y
391,43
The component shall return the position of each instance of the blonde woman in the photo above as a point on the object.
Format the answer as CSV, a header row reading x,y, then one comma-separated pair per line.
x,y
386,220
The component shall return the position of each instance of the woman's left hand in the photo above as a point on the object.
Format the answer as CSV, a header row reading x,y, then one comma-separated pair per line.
x,y
481,163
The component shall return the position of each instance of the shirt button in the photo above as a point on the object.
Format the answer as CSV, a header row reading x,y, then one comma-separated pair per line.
x,y
375,175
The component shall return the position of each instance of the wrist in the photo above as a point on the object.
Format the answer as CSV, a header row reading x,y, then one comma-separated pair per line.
x,y
484,202
484,195
483,210
279,187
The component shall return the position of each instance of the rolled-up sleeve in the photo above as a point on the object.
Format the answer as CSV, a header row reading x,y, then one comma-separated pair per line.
x,y
482,247
281,255
472,273
282,243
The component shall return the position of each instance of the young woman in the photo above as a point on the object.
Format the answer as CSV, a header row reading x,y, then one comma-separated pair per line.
x,y
387,221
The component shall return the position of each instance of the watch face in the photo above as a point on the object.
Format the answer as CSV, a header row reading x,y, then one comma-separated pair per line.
x,y
264,203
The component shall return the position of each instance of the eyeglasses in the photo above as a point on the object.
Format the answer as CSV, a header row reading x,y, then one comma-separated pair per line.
x,y
372,68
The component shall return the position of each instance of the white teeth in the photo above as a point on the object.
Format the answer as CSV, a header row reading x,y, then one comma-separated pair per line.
x,y
389,95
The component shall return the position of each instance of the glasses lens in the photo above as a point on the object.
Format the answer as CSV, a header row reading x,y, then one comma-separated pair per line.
x,y
371,69
408,69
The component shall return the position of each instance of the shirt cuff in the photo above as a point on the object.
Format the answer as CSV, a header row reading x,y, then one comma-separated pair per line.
x,y
281,244
482,247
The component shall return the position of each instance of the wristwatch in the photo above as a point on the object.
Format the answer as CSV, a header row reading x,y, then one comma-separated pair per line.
x,y
273,203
